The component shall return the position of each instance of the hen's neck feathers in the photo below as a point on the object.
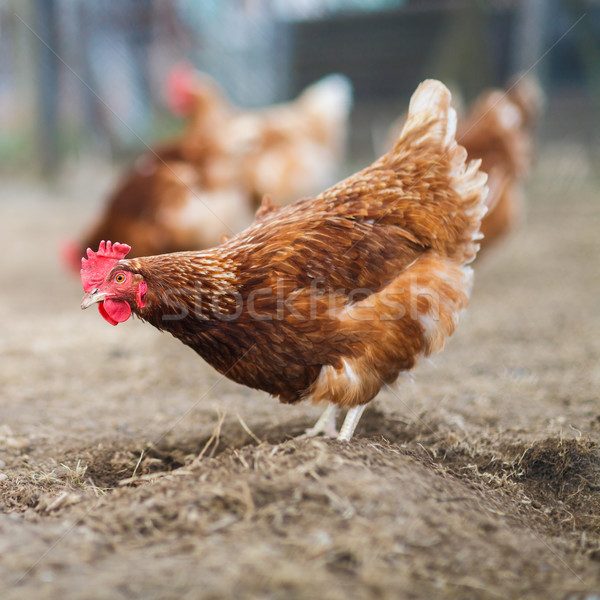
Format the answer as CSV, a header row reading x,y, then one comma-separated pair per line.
x,y
200,285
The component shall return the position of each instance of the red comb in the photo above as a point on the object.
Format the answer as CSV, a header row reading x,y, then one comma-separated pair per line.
x,y
180,85
96,266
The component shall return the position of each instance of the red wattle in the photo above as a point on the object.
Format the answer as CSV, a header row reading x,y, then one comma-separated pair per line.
x,y
104,314
115,311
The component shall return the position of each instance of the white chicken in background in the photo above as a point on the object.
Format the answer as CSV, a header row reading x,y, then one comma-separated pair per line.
x,y
294,149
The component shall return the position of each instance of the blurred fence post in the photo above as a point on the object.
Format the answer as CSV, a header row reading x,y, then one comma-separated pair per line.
x,y
24,67
47,92
529,36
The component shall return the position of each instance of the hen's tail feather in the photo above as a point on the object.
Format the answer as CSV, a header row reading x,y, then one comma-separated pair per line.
x,y
431,121
431,117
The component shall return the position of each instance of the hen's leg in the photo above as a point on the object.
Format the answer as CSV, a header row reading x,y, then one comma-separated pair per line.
x,y
325,424
350,422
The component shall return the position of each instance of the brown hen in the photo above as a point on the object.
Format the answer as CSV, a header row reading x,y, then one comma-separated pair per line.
x,y
330,298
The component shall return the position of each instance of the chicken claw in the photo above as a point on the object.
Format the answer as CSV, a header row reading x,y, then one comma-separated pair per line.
x,y
325,425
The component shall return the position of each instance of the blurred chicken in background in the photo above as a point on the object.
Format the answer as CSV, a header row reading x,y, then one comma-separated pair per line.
x,y
499,129
178,196
207,183
286,150
295,149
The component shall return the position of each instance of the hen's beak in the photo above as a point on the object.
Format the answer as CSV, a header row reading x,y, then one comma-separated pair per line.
x,y
92,298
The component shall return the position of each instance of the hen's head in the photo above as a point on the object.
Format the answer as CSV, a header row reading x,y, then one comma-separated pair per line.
x,y
181,84
108,282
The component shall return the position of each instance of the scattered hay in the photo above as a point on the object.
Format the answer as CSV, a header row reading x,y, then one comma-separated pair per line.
x,y
564,476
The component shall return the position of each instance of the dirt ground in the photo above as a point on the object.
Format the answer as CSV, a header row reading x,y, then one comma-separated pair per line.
x,y
130,469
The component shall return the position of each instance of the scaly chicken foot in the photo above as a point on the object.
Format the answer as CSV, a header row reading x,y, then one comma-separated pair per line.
x,y
325,425
350,422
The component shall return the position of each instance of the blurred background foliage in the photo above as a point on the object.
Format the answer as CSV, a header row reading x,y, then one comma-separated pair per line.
x,y
85,78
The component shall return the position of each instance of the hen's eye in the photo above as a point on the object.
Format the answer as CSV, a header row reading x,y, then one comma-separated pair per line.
x,y
120,278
